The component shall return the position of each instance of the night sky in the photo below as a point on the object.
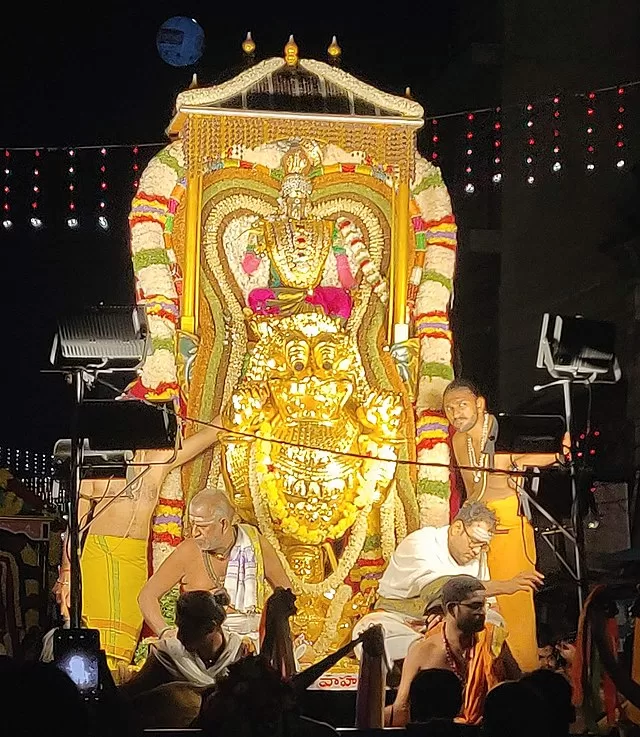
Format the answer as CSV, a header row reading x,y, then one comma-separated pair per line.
x,y
94,76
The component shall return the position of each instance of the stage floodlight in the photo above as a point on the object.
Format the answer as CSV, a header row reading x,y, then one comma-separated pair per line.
x,y
96,464
102,338
578,349
128,423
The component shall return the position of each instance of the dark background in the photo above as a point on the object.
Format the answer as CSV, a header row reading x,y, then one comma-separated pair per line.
x,y
567,244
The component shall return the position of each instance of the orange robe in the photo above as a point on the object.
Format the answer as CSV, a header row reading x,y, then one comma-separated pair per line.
x,y
485,670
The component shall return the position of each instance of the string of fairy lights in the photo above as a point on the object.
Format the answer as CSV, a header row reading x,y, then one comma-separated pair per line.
x,y
467,145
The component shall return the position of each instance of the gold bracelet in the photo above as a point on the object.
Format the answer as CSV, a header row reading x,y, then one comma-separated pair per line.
x,y
62,583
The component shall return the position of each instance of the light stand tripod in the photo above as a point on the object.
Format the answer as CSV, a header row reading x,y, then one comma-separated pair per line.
x,y
577,522
77,378
101,340
576,351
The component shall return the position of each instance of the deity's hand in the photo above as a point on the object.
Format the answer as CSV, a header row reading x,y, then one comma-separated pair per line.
x,y
381,413
249,406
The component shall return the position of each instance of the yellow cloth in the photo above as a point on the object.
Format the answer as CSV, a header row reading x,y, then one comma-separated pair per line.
x,y
114,570
513,551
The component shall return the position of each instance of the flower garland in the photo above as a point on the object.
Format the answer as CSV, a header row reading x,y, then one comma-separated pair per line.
x,y
332,618
167,524
429,296
353,240
400,520
347,559
387,524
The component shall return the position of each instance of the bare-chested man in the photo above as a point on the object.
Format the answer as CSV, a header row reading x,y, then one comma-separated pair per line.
x,y
114,560
219,554
512,550
464,643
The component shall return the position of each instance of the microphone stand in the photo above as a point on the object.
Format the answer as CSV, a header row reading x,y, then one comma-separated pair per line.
x,y
77,379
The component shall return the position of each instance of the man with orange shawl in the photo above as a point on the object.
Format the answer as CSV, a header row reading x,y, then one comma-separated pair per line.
x,y
463,642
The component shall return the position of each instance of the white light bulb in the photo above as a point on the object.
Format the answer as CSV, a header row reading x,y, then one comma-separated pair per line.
x,y
36,222
620,163
469,188
530,180
103,222
557,166
72,222
497,178
7,224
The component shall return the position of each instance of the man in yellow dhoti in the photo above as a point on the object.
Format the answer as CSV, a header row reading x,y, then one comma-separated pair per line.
x,y
512,550
115,522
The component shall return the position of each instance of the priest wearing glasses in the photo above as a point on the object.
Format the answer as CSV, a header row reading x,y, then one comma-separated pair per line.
x,y
410,589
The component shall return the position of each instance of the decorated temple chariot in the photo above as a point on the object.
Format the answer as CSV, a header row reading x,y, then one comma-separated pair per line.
x,y
295,255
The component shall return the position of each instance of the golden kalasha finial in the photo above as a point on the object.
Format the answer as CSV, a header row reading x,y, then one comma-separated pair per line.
x,y
291,52
334,49
248,45
407,93
194,82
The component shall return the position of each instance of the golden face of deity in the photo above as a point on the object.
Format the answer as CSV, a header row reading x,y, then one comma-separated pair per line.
x,y
295,192
312,388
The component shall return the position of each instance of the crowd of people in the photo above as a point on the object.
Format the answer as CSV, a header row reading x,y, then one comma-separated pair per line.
x,y
453,617
205,681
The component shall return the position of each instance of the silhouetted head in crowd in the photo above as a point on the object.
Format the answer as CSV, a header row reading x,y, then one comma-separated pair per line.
x,y
36,696
435,693
251,701
555,692
199,618
513,710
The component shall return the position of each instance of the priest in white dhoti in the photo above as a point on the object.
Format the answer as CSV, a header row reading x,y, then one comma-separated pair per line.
x,y
420,566
219,555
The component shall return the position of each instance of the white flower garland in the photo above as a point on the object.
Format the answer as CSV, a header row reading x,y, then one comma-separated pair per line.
x,y
387,524
400,519
332,617
353,240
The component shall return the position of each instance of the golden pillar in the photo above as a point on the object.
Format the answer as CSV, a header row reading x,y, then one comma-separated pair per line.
x,y
191,277
401,263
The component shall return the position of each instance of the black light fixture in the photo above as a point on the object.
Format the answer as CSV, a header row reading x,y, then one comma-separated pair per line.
x,y
96,464
577,348
102,338
100,341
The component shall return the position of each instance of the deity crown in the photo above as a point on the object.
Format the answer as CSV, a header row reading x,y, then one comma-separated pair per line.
x,y
296,161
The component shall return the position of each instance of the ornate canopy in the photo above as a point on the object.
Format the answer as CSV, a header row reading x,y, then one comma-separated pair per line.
x,y
282,99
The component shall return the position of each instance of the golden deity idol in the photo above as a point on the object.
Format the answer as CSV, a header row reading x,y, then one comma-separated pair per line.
x,y
317,474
